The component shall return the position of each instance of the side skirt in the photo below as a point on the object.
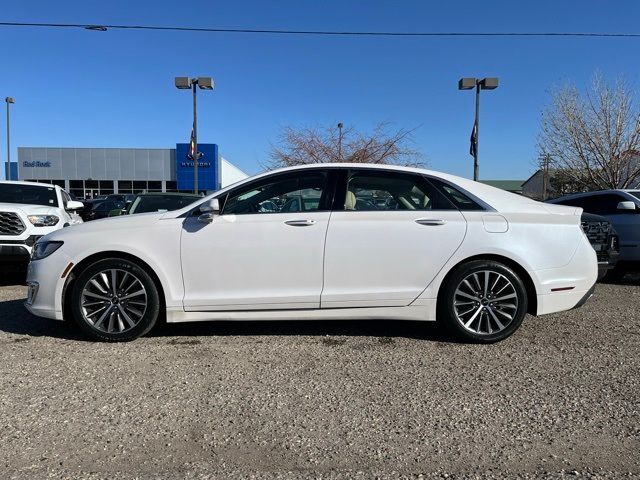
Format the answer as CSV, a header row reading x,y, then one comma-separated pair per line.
x,y
415,313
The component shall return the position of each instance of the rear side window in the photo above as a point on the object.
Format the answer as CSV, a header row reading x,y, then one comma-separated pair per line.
x,y
455,196
371,190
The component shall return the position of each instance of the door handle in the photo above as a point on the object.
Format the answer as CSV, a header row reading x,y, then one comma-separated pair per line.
x,y
431,221
300,223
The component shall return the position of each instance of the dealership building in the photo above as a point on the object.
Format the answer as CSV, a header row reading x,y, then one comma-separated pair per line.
x,y
87,172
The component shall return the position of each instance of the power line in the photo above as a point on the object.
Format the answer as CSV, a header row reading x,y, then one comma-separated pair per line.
x,y
101,27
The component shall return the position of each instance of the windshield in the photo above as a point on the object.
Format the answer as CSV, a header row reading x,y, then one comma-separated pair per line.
x,y
157,203
636,194
28,194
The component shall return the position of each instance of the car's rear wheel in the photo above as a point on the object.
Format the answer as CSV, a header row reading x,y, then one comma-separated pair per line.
x,y
482,301
115,300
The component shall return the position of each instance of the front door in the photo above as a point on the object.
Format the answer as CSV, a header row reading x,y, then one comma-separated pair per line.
x,y
264,251
394,234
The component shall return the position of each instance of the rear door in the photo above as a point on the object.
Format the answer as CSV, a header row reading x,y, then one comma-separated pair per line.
x,y
390,234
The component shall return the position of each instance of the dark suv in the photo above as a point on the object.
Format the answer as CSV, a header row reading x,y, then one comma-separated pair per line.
x,y
622,209
603,239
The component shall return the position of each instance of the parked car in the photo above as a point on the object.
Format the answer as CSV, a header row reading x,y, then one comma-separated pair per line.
x,y
603,239
471,256
27,212
622,208
101,209
156,202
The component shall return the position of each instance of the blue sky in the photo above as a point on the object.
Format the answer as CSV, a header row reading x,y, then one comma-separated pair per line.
x,y
115,89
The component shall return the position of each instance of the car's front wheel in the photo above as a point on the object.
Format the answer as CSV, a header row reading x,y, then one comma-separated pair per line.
x,y
115,300
482,301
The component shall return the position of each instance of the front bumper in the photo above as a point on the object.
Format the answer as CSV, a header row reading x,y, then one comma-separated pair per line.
x,y
44,278
14,253
17,248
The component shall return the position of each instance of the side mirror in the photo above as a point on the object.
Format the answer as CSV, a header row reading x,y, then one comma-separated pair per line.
x,y
116,212
74,205
626,206
208,210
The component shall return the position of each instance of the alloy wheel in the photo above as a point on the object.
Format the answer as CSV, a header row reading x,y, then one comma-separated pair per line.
x,y
113,301
485,302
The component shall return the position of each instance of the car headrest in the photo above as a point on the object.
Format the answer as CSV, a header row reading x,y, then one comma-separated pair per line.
x,y
350,201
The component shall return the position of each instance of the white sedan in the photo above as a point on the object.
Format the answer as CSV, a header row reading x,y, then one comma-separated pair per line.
x,y
334,241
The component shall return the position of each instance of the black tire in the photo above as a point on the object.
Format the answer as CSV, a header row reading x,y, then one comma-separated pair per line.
x,y
615,274
486,309
127,272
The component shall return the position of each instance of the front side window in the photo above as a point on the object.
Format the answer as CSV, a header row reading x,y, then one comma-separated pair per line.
x,y
636,194
603,204
159,203
286,193
65,199
370,191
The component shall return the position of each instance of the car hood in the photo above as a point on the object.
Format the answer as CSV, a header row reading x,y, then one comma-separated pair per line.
x,y
28,209
109,224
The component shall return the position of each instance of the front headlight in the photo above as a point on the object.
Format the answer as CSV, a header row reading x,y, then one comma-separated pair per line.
x,y
43,220
44,249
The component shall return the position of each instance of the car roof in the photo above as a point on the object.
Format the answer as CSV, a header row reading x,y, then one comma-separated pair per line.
x,y
167,194
593,192
491,198
35,184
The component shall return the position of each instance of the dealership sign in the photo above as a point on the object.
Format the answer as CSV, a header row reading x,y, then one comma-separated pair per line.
x,y
208,167
200,164
36,164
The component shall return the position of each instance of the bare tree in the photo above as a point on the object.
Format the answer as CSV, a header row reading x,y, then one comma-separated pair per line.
x,y
593,138
333,144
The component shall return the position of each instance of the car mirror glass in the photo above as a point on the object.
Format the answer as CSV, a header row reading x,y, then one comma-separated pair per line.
x,y
208,210
73,205
626,206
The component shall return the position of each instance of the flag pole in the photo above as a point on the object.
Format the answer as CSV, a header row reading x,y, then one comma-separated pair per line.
x,y
195,143
477,131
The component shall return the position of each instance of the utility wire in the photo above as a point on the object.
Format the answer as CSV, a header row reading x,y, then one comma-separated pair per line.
x,y
100,27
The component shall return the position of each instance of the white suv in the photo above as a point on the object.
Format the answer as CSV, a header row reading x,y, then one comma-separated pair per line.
x,y
29,211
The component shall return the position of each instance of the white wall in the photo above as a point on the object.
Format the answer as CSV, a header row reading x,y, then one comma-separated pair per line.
x,y
230,173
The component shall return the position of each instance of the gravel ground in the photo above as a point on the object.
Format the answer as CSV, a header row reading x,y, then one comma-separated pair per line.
x,y
338,400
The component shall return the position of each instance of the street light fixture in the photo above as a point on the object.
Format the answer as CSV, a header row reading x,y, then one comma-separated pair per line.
x,y
467,83
9,100
185,83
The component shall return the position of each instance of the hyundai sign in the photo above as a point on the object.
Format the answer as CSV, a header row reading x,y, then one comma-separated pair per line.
x,y
208,167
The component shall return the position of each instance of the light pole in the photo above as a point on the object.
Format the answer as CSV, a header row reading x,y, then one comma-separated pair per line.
x,y
489,83
184,83
340,141
9,100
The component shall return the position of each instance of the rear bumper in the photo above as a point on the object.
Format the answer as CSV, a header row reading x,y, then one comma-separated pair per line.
x,y
585,297
570,286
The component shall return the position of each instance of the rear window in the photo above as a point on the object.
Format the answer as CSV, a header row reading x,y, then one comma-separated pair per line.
x,y
28,194
455,196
